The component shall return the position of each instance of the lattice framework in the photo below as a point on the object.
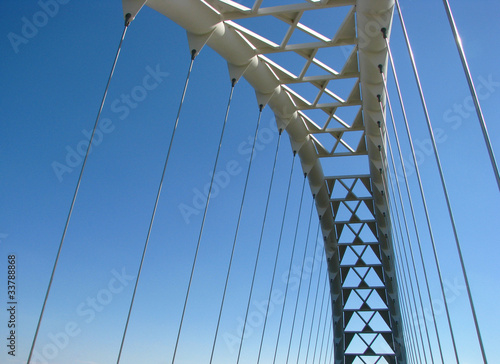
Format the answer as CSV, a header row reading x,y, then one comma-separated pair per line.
x,y
322,125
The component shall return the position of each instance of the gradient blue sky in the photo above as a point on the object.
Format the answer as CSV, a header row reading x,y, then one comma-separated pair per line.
x,y
52,85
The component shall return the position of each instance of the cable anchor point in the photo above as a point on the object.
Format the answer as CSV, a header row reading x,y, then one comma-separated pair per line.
x,y
384,32
128,19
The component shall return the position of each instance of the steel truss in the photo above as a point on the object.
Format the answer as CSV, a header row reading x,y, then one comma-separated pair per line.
x,y
355,216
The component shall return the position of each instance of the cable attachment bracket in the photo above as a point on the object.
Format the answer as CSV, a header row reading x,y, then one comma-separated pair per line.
x,y
128,19
384,32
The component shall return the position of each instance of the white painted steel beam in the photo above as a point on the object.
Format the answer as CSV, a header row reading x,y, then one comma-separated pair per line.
x,y
215,23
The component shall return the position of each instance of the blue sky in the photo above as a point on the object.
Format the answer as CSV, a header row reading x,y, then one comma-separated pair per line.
x,y
52,85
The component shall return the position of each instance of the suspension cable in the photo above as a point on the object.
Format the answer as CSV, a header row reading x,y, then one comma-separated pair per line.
x,y
410,341
127,23
236,232
424,202
408,232
380,232
413,217
290,268
300,280
401,266
276,259
443,184
324,331
473,92
160,186
405,262
332,349
314,310
406,226
330,324
260,245
233,83
407,333
412,209
309,289
387,183
419,293
320,315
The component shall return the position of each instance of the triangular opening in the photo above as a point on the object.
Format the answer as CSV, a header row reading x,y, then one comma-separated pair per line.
x,y
291,61
306,35
376,302
381,346
369,257
316,70
373,280
346,237
367,236
354,302
327,140
325,21
350,257
345,116
357,346
353,138
378,323
360,190
317,115
355,324
352,280
306,90
268,27
342,87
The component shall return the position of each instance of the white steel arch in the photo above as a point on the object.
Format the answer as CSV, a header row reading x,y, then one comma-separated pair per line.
x,y
354,214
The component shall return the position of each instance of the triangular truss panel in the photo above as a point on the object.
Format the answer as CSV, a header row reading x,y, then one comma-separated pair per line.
x,y
302,54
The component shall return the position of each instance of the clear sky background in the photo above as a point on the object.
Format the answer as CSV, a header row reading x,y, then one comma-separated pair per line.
x,y
51,87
